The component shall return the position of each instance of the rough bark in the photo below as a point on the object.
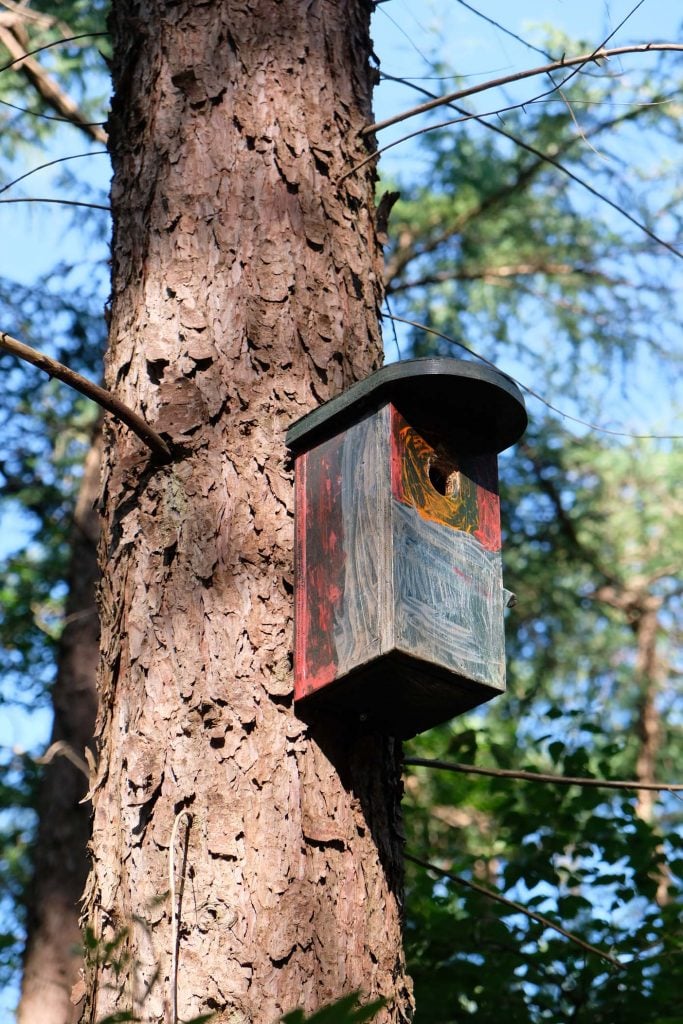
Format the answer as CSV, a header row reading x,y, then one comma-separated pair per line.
x,y
53,954
246,285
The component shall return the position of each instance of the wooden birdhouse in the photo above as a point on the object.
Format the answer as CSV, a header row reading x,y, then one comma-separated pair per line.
x,y
398,590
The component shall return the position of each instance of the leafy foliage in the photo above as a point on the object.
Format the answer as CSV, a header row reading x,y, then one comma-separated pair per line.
x,y
501,249
347,1010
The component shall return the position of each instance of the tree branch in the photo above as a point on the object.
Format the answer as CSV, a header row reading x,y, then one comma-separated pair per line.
x,y
93,391
517,907
20,12
58,202
544,69
567,524
505,275
47,88
557,780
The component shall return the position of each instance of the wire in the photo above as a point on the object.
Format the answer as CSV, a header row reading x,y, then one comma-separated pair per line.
x,y
535,394
48,46
51,163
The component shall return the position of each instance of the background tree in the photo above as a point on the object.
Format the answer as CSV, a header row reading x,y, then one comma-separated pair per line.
x,y
50,99
497,243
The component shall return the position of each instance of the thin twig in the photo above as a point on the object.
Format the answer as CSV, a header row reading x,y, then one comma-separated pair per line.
x,y
530,391
518,908
93,391
544,69
175,915
558,780
59,202
65,750
51,163
51,117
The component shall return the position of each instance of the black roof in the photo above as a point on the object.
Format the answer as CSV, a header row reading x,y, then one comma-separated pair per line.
x,y
465,405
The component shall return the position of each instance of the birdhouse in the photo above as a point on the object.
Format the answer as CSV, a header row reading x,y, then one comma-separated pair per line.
x,y
398,588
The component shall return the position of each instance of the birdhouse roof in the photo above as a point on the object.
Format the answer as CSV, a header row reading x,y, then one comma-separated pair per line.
x,y
466,406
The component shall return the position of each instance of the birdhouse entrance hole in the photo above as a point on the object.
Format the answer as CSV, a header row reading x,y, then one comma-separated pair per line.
x,y
444,477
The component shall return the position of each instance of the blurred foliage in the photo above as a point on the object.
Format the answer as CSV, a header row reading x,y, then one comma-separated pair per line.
x,y
46,428
347,1010
498,249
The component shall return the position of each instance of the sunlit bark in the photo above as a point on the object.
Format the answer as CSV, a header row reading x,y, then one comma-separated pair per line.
x,y
246,285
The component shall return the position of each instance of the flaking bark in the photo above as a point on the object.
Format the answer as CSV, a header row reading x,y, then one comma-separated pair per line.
x,y
246,288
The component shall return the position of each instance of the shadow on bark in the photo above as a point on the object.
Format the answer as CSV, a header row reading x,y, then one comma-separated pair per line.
x,y
369,766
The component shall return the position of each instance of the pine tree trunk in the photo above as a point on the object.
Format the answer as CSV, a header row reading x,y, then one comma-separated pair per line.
x,y
246,284
53,954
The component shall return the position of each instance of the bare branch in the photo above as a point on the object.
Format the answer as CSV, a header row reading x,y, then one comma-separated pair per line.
x,y
517,907
93,391
555,780
58,202
565,62
67,751
47,88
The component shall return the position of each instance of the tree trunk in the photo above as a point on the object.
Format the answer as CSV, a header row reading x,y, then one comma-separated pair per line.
x,y
53,954
649,674
246,285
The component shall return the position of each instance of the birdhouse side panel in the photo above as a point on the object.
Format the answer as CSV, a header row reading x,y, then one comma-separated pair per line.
x,y
343,567
319,565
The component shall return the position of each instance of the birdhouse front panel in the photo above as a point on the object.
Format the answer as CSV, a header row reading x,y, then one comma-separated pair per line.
x,y
448,577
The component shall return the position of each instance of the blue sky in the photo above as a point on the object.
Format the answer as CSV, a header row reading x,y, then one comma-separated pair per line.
x,y
407,36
